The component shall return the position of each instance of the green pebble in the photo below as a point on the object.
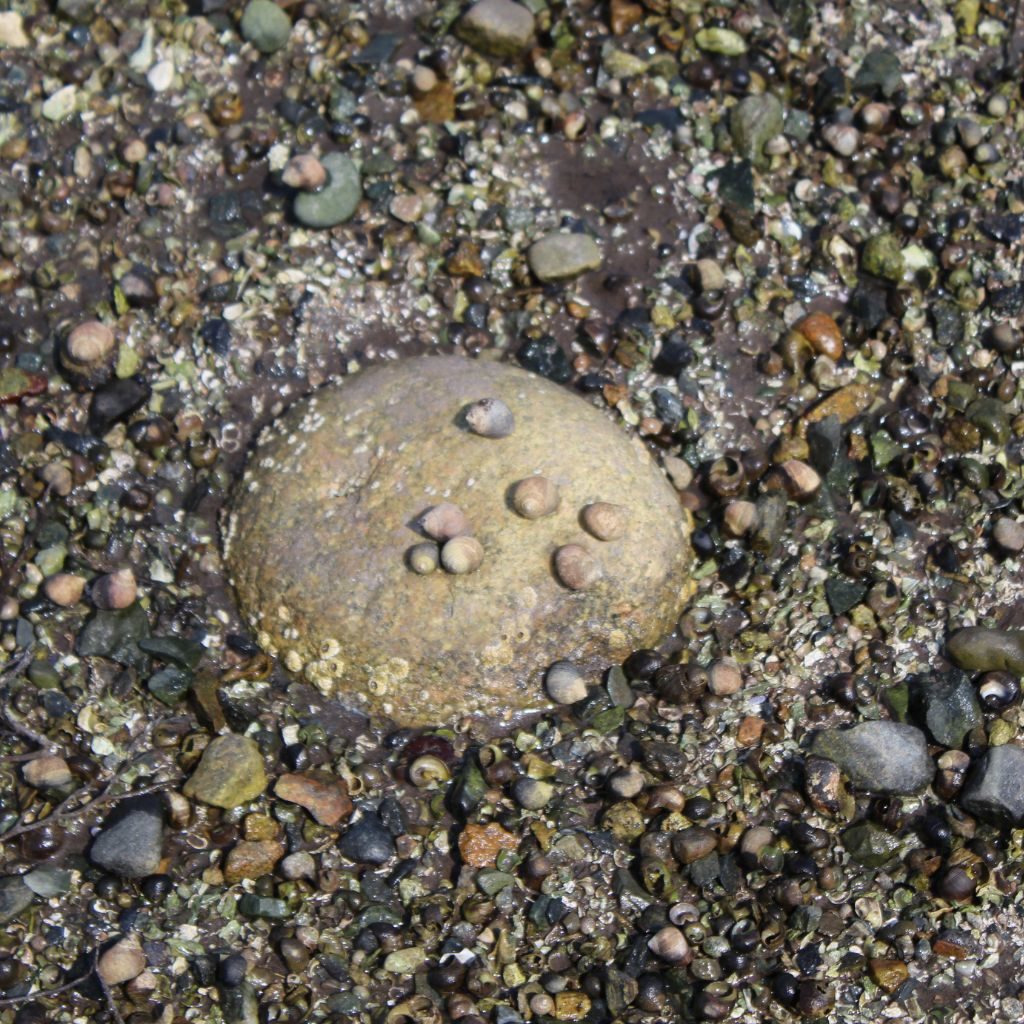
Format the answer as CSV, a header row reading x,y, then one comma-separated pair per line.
x,y
43,674
337,200
977,649
405,961
869,845
882,257
51,560
721,40
265,25
252,905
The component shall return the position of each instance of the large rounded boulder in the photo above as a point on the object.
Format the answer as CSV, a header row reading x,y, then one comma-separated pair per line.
x,y
331,537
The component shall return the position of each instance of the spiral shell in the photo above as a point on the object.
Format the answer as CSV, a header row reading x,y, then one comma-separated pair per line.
x,y
534,497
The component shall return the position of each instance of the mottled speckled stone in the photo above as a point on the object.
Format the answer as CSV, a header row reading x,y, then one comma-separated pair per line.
x,y
328,507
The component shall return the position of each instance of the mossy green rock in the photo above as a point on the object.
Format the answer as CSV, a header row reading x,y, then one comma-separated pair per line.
x,y
230,773
978,649
329,506
725,41
753,121
882,257
869,845
265,25
337,200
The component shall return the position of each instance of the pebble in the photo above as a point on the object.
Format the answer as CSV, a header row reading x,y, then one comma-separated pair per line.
x,y
725,41
978,649
65,589
755,120
993,790
15,896
61,104
880,757
230,773
252,859
563,255
479,845
532,794
1009,535
12,31
304,171
122,961
499,28
325,797
161,76
951,708
367,841
710,276
130,844
298,865
407,208
724,677
337,201
47,772
844,139
265,25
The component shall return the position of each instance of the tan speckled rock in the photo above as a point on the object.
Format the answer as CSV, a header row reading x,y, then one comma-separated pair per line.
x,y
330,503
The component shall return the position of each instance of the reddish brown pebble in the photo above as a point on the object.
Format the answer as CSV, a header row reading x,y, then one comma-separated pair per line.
x,y
324,796
252,859
823,334
750,730
480,845
47,772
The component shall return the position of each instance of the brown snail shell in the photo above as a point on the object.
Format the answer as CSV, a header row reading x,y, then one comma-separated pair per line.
x,y
605,521
445,521
534,497
576,567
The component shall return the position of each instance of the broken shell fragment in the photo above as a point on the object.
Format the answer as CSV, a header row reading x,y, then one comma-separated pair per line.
x,y
534,497
490,417
605,521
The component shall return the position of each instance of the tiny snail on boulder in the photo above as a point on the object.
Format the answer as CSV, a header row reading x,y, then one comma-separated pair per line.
x,y
490,417
534,497
355,491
